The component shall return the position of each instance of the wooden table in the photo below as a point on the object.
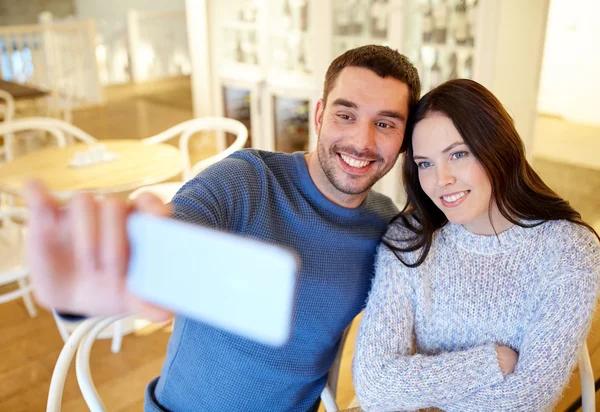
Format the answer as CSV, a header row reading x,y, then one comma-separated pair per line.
x,y
138,164
20,91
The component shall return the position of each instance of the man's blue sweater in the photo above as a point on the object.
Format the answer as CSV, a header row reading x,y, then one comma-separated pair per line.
x,y
270,196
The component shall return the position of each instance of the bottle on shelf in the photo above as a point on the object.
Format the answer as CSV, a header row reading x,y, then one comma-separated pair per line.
x,y
468,70
287,14
378,14
427,23
358,16
239,52
248,11
298,11
341,21
471,21
440,22
435,75
453,64
461,29
419,64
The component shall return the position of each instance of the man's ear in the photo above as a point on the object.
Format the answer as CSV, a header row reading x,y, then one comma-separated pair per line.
x,y
319,112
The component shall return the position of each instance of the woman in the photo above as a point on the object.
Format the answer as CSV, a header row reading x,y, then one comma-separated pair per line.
x,y
486,282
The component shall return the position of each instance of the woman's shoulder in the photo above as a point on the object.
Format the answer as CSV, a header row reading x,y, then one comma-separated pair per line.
x,y
577,246
401,242
564,233
402,231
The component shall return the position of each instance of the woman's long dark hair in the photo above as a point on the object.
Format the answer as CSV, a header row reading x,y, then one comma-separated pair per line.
x,y
489,132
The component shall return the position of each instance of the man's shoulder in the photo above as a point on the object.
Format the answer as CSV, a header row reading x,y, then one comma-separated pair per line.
x,y
253,162
382,205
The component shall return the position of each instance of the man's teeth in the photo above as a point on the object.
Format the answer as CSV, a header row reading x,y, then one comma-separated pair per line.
x,y
454,198
355,163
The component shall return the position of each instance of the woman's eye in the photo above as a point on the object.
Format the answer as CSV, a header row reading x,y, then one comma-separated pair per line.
x,y
459,155
424,165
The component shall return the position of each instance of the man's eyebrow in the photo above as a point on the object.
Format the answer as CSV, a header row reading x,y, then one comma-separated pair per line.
x,y
392,114
344,102
385,113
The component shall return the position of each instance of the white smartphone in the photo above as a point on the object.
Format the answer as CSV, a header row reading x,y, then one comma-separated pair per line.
x,y
232,282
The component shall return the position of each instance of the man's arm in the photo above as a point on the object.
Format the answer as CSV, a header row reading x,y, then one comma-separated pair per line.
x,y
79,254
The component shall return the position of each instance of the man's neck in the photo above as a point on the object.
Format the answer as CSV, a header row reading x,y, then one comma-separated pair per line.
x,y
326,188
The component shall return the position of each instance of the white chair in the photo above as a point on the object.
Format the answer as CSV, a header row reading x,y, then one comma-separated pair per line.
x,y
7,112
13,267
59,129
59,375
166,191
588,383
7,106
80,344
330,390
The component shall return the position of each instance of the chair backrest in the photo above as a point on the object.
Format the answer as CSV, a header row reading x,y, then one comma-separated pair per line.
x,y
190,127
7,112
232,126
588,383
12,234
79,345
7,106
56,127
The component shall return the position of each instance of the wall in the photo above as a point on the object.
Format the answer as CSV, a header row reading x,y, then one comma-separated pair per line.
x,y
569,83
111,24
14,12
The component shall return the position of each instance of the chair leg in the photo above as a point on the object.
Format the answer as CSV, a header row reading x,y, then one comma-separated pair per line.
x,y
117,336
27,300
586,372
62,328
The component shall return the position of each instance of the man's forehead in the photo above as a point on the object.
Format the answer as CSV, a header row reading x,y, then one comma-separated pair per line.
x,y
356,84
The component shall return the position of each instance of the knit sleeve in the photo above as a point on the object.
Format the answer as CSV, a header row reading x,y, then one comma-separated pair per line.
x,y
223,196
548,354
388,375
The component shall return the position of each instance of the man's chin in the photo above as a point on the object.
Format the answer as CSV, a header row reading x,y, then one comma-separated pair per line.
x,y
350,189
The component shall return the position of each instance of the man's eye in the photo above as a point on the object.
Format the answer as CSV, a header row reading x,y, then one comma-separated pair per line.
x,y
383,125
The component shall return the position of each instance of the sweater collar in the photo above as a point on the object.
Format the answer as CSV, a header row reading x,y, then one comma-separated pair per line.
x,y
489,244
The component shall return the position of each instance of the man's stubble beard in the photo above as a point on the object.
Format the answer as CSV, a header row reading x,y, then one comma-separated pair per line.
x,y
328,159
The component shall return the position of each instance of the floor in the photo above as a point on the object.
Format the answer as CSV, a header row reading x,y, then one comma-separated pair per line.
x,y
30,346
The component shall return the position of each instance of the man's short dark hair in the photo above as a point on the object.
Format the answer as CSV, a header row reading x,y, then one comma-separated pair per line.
x,y
382,61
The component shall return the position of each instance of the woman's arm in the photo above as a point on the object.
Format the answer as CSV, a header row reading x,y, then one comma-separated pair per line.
x,y
555,333
387,375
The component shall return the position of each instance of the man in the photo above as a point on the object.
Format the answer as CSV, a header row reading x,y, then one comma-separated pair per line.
x,y
318,204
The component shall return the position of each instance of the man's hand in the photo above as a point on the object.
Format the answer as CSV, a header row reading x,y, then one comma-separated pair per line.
x,y
78,254
507,359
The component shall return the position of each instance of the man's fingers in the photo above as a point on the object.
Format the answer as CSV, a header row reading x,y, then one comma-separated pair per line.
x,y
42,240
114,250
85,226
36,196
149,203
149,311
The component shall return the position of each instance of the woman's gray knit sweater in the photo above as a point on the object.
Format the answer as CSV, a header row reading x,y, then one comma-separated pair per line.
x,y
428,335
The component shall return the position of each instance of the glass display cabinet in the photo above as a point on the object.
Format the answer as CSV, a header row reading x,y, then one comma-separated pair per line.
x,y
268,58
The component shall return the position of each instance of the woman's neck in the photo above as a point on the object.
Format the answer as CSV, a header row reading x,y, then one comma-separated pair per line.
x,y
489,224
